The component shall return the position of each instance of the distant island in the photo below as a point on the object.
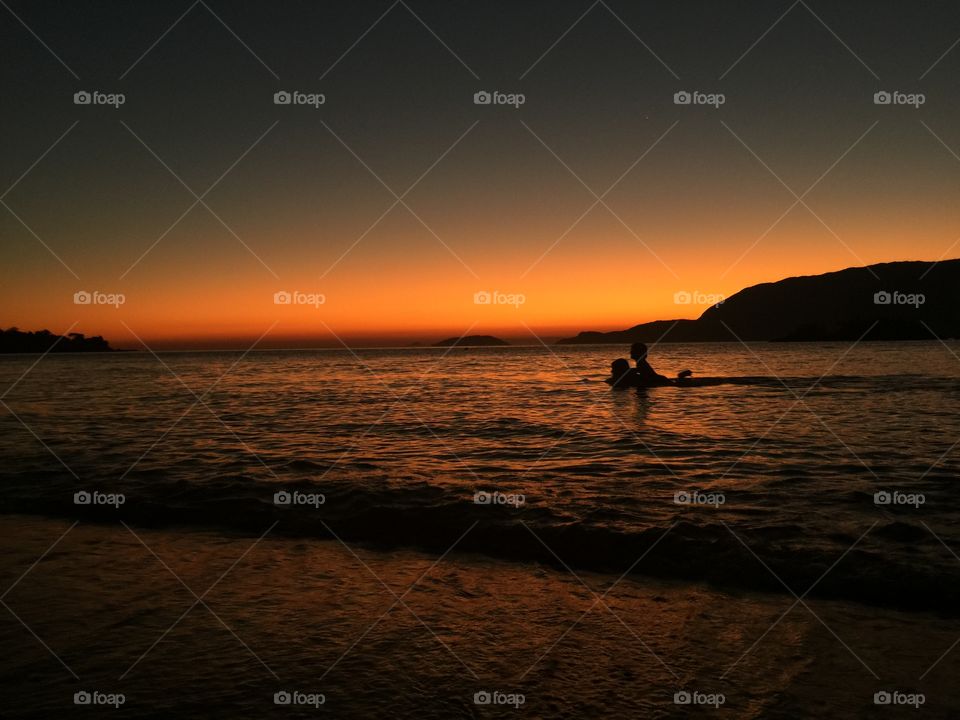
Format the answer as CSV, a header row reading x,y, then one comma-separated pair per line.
x,y
472,341
41,341
889,301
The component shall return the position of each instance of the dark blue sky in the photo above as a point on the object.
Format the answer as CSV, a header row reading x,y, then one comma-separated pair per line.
x,y
304,185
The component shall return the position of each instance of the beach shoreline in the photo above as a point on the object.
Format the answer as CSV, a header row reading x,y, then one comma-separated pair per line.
x,y
318,617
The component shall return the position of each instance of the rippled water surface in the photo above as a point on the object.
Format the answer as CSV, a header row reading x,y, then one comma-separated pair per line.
x,y
796,444
785,453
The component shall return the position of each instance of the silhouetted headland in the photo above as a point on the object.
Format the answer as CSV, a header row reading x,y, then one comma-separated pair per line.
x,y
911,300
17,341
472,341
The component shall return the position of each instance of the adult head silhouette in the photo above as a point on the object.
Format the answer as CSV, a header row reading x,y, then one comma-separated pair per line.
x,y
638,351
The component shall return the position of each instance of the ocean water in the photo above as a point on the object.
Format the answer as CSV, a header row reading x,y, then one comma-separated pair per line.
x,y
505,476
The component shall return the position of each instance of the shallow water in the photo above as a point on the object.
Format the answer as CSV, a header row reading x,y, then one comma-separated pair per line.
x,y
788,452
399,441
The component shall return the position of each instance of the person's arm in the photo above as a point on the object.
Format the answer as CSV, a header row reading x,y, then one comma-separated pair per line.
x,y
646,371
647,376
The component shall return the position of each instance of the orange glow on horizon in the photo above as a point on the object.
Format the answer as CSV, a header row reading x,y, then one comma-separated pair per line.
x,y
399,285
569,291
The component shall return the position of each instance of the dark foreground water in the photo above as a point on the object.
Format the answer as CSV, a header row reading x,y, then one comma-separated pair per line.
x,y
782,540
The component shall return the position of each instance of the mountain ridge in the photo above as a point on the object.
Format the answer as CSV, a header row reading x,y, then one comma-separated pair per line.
x,y
903,300
472,341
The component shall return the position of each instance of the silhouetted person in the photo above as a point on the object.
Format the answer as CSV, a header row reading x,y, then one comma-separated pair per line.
x,y
646,375
621,375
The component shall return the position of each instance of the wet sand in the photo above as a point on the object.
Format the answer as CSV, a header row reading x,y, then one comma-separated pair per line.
x,y
318,617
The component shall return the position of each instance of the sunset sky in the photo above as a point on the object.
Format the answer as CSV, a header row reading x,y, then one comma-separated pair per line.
x,y
503,195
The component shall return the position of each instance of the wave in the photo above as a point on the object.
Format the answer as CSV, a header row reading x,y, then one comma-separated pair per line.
x,y
431,518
